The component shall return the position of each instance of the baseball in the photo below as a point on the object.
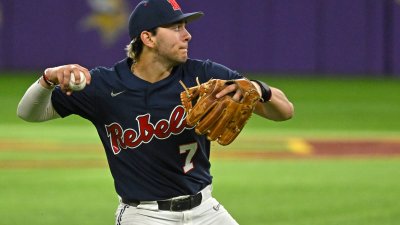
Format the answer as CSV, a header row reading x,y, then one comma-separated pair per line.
x,y
80,86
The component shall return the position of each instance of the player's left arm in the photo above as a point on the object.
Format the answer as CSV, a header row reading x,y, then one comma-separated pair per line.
x,y
277,107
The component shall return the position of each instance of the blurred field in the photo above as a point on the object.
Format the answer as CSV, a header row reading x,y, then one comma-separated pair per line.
x,y
46,179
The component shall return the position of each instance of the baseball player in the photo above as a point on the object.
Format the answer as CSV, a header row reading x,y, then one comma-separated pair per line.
x,y
160,166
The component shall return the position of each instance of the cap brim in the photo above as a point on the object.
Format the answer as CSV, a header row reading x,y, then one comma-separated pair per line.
x,y
188,17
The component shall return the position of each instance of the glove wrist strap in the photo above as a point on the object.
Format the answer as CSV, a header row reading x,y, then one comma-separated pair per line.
x,y
266,92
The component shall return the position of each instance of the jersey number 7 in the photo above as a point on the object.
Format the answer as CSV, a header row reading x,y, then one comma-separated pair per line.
x,y
190,149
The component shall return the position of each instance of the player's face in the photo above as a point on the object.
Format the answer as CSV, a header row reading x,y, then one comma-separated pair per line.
x,y
172,43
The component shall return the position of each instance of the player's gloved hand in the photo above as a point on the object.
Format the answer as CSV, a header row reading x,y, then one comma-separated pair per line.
x,y
220,108
61,76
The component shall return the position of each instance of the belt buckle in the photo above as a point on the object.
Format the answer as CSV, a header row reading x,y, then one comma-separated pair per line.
x,y
180,204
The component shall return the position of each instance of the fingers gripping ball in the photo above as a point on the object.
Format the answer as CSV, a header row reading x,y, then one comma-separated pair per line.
x,y
220,119
77,86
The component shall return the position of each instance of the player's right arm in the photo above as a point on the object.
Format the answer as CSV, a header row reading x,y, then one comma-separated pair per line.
x,y
35,105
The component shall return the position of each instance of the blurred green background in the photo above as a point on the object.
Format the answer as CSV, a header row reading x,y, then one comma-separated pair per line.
x,y
56,172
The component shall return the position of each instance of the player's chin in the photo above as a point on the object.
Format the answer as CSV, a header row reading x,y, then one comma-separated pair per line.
x,y
183,59
183,54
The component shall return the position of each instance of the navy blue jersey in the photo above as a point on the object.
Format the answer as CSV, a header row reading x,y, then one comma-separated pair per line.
x,y
151,151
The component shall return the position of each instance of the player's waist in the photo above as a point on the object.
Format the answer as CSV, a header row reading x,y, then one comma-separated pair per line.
x,y
177,204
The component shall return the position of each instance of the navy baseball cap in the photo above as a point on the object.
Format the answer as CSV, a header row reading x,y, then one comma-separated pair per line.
x,y
150,14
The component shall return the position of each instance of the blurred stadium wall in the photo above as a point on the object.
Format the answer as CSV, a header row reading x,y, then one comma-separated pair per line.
x,y
258,36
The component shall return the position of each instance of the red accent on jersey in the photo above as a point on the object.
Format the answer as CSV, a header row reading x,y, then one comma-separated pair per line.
x,y
130,138
174,4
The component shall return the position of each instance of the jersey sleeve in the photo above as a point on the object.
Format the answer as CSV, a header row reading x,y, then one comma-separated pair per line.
x,y
82,103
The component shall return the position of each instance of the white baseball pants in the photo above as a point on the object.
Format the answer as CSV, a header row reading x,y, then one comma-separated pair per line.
x,y
209,212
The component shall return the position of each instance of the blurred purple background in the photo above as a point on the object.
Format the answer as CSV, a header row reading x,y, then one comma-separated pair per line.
x,y
267,36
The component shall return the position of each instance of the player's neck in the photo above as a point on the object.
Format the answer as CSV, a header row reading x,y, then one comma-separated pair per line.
x,y
151,72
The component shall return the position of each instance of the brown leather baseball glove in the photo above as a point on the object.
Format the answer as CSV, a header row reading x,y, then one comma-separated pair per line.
x,y
220,119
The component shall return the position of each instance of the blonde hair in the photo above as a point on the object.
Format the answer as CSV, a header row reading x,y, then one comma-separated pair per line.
x,y
129,50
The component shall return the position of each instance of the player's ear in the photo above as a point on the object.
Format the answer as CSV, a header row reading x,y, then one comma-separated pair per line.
x,y
147,38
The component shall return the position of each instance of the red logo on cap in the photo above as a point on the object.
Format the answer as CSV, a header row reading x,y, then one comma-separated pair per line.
x,y
174,4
